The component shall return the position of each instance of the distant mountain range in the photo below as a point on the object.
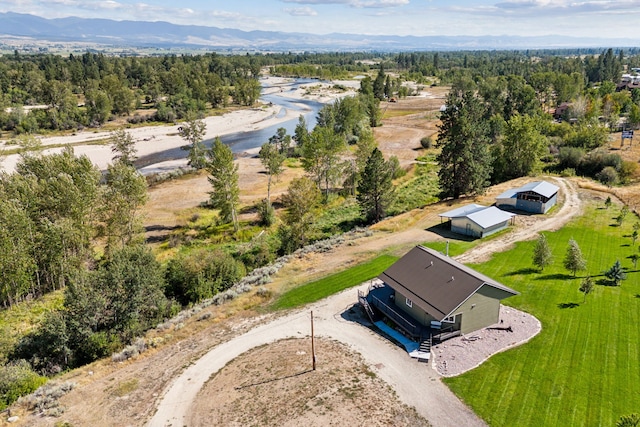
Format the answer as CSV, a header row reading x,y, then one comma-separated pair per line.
x,y
167,35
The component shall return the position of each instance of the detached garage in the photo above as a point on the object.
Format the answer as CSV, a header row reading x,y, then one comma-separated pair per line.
x,y
535,197
477,220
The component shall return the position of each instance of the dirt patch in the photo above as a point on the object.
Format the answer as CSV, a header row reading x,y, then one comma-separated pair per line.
x,y
274,386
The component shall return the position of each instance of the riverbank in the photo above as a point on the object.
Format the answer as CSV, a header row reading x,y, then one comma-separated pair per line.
x,y
151,140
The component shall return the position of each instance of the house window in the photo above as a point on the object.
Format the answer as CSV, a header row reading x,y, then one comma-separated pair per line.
x,y
450,319
409,302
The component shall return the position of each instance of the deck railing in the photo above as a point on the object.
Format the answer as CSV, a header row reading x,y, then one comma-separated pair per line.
x,y
396,317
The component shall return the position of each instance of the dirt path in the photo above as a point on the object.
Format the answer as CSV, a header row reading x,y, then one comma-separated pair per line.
x,y
416,384
530,226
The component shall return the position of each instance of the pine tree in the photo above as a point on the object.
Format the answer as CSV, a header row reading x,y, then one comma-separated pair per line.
x,y
375,190
465,161
573,260
223,177
616,273
542,256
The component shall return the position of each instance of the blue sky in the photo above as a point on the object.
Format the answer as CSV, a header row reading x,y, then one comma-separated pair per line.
x,y
593,18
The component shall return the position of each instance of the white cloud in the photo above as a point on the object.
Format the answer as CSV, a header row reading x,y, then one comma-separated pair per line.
x,y
300,11
379,3
355,3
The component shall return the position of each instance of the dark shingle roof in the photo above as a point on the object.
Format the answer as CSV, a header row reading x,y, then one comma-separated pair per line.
x,y
436,283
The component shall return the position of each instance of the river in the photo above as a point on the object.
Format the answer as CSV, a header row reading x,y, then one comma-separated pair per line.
x,y
243,141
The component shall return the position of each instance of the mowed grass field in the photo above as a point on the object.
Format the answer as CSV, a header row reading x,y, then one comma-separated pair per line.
x,y
315,291
583,369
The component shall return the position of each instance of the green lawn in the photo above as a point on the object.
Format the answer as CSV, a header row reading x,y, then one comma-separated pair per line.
x,y
583,369
330,285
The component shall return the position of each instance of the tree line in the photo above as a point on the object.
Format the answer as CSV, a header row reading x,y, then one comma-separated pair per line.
x,y
90,89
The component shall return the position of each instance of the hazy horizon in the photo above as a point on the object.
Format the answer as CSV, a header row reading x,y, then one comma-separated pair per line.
x,y
591,18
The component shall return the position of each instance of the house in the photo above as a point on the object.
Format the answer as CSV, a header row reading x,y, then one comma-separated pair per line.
x,y
477,220
534,197
561,111
426,293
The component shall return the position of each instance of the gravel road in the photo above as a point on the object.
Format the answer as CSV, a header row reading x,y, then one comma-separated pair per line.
x,y
415,383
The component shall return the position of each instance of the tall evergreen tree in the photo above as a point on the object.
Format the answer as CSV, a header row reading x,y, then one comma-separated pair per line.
x,y
375,190
465,161
616,273
223,177
573,259
542,256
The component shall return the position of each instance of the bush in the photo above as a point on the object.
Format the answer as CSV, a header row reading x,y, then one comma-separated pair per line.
x,y
570,157
266,213
394,163
45,399
17,379
608,176
426,142
201,274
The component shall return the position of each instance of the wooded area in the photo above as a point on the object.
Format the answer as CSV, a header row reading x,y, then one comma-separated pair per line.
x,y
70,227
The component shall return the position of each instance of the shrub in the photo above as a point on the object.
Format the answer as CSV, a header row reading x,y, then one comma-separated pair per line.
x,y
201,274
394,164
570,157
17,379
608,176
45,399
266,213
426,142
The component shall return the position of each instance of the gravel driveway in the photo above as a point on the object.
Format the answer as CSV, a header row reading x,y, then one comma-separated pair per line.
x,y
415,383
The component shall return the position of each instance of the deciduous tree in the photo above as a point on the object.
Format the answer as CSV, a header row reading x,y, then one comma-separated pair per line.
x,y
321,155
301,201
123,147
519,152
273,161
193,131
586,287
223,177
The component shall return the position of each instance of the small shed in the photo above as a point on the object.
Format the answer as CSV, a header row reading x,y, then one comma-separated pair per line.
x,y
477,220
534,197
432,288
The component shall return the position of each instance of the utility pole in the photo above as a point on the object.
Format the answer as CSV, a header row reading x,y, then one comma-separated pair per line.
x,y
313,351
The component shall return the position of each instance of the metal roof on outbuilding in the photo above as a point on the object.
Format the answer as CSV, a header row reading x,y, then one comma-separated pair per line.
x,y
484,216
543,188
490,216
463,211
